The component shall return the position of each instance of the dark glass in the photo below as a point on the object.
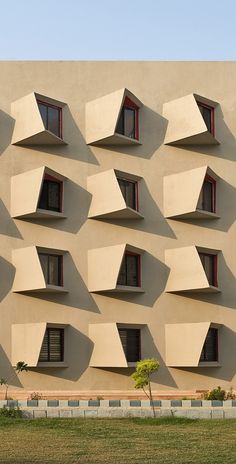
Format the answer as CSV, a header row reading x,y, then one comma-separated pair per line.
x,y
205,201
126,123
51,267
207,115
52,349
128,190
129,271
130,339
51,117
208,262
50,197
210,347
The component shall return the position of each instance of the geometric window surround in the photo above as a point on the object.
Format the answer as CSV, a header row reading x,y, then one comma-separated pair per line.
x,y
191,121
38,121
115,195
191,194
38,194
114,119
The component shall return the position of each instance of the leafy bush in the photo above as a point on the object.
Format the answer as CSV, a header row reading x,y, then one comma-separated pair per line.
x,y
36,396
215,394
14,413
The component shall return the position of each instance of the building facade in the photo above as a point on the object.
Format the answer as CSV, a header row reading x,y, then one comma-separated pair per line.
x,y
117,224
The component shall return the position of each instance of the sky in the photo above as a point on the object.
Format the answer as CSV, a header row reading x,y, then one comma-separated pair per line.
x,y
117,30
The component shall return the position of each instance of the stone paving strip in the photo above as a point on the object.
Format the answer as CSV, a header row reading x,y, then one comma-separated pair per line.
x,y
194,409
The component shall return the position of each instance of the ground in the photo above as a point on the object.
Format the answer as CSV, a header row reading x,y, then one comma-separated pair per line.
x,y
118,441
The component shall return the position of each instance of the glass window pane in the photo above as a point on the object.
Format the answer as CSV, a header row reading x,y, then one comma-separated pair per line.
x,y
43,111
122,274
54,120
44,264
53,270
129,122
120,124
44,354
208,194
128,190
54,196
55,345
206,114
200,203
132,270
130,340
43,200
210,347
208,265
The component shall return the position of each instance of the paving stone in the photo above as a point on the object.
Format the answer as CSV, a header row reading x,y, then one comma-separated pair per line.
x,y
217,403
90,413
166,412
94,403
135,403
186,403
78,412
206,403
12,403
83,403
63,403
196,403
165,403
43,403
105,412
176,403
192,413
114,403
73,403
179,412
145,403
116,412
230,413
204,413
132,412
52,412
53,403
217,414
27,413
22,403
234,403
157,403
104,403
227,404
124,403
3,403
65,413
30,403
39,413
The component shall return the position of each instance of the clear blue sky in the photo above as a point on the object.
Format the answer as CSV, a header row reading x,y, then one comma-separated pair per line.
x,y
117,30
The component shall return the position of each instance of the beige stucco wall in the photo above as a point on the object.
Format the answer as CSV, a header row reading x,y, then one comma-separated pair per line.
x,y
154,84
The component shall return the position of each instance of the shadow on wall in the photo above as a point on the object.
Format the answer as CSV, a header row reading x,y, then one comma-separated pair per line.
x,y
79,352
7,225
152,134
227,150
227,343
76,148
154,278
77,296
149,350
226,195
7,125
8,372
153,221
226,282
7,273
74,195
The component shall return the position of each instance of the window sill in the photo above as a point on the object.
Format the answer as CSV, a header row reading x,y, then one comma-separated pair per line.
x,y
48,214
128,289
54,289
52,364
209,364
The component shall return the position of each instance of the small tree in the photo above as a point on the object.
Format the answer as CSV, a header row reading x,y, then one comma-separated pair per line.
x,y
144,369
21,366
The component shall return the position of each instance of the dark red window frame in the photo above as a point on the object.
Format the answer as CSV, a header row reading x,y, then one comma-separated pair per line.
x,y
49,105
47,177
135,199
205,355
213,192
49,330
131,105
60,267
133,354
129,253
214,259
212,109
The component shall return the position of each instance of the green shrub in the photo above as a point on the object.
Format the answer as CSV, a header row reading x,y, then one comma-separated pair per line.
x,y
12,412
215,394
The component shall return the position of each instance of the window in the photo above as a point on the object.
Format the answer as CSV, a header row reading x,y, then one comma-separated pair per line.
x,y
209,263
52,349
130,339
207,198
51,194
52,117
128,123
210,347
52,268
129,191
129,274
207,113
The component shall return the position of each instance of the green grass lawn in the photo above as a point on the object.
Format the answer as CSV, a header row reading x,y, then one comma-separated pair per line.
x,y
118,441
